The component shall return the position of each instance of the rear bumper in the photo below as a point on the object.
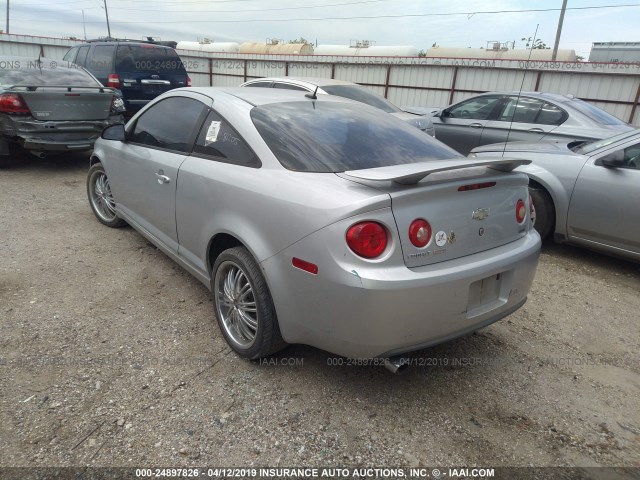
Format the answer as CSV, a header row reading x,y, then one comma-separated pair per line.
x,y
56,136
383,312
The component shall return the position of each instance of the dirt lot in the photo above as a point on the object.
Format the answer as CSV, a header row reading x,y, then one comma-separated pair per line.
x,y
109,356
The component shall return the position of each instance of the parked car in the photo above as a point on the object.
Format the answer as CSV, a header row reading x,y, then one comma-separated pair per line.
x,y
48,106
513,116
586,193
142,70
328,86
320,221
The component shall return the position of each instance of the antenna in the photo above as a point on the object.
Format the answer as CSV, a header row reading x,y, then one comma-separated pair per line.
x,y
524,76
313,95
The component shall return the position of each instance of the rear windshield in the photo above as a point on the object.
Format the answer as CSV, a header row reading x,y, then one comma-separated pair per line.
x,y
336,137
361,95
27,72
130,58
595,114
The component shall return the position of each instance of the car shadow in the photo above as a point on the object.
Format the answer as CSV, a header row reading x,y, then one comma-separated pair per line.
x,y
25,161
591,260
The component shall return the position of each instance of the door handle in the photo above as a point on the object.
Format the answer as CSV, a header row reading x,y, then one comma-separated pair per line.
x,y
536,130
475,125
162,178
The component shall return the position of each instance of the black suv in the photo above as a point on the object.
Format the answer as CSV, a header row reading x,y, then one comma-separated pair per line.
x,y
141,70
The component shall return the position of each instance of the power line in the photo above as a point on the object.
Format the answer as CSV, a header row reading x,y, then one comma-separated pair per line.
x,y
262,9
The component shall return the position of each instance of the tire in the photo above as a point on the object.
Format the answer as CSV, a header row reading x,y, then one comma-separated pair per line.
x,y
243,305
101,198
545,215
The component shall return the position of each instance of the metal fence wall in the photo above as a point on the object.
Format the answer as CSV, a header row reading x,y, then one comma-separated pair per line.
x,y
406,81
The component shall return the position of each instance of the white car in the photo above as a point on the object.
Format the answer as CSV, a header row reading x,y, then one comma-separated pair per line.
x,y
340,88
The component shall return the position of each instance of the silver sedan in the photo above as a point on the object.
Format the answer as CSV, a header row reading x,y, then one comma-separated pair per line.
x,y
520,116
586,193
319,221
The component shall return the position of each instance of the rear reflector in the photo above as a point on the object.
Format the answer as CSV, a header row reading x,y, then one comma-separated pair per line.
x,y
12,103
303,265
476,186
188,81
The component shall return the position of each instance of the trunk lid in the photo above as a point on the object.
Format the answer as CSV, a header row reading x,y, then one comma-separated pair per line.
x,y
68,103
464,219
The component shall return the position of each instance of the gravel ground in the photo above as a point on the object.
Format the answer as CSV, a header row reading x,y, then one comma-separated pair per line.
x,y
110,356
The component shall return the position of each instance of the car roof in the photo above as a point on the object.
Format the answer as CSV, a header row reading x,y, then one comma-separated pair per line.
x,y
555,97
310,81
264,96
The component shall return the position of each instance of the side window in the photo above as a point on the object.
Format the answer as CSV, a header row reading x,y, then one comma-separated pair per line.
x,y
101,58
70,56
479,108
218,140
170,124
288,86
551,115
82,56
531,110
260,84
632,157
520,110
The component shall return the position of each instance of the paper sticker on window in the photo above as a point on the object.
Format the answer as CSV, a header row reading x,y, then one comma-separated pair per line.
x,y
212,133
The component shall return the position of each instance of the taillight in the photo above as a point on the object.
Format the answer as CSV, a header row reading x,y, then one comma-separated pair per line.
x,y
117,105
420,232
367,239
188,81
12,103
113,80
521,211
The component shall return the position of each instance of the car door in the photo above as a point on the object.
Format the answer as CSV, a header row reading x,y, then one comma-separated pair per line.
x,y
145,179
604,204
460,126
211,182
522,119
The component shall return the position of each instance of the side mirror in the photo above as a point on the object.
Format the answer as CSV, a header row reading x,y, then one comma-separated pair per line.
x,y
613,160
445,113
114,132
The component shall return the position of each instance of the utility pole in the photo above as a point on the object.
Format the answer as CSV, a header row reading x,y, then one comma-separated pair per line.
x,y
7,16
107,14
559,31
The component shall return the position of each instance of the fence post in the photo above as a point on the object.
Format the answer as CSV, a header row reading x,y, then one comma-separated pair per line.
x,y
453,84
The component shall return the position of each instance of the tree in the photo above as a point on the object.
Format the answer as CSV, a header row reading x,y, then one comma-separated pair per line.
x,y
536,44
422,53
299,40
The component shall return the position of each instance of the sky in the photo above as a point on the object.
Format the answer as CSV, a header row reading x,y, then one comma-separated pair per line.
x,y
421,23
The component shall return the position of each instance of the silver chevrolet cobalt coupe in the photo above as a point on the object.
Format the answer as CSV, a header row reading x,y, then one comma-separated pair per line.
x,y
319,221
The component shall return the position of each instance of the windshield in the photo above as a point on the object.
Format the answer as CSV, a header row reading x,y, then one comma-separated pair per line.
x,y
132,58
590,147
362,95
595,114
30,73
336,137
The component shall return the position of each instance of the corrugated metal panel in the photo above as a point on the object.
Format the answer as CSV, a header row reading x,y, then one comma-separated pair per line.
x,y
362,73
418,98
435,77
219,81
265,69
483,79
309,69
602,87
199,79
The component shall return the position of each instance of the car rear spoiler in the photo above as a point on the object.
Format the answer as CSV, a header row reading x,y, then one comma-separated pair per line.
x,y
33,88
412,173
